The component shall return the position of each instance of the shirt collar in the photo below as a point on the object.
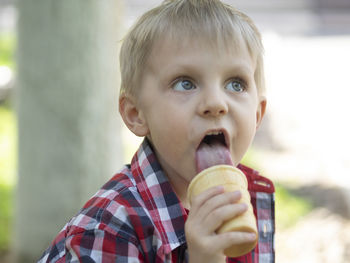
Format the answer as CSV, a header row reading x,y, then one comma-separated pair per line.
x,y
164,207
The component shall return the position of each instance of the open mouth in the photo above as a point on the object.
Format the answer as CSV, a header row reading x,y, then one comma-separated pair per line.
x,y
213,150
215,138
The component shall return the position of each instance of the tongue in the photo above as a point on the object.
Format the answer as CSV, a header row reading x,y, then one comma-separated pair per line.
x,y
213,154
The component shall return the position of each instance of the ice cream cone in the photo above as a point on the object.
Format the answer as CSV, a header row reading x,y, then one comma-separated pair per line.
x,y
232,179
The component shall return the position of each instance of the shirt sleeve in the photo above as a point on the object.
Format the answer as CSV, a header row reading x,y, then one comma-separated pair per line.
x,y
102,246
98,246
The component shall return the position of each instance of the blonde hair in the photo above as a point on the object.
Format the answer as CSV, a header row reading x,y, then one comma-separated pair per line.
x,y
209,20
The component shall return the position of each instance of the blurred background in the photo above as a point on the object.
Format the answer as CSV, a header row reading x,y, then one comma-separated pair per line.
x,y
61,136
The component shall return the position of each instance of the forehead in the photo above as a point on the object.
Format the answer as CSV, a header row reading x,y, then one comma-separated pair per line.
x,y
205,36
178,47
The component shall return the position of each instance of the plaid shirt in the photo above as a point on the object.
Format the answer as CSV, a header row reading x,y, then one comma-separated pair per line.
x,y
137,217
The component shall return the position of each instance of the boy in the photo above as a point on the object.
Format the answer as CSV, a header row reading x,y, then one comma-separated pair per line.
x,y
193,86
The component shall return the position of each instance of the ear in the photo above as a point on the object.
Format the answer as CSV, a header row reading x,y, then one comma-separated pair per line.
x,y
260,112
132,116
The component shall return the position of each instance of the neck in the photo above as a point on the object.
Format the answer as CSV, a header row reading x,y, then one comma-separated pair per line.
x,y
180,188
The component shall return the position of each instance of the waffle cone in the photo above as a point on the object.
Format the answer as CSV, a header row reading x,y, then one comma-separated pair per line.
x,y
232,179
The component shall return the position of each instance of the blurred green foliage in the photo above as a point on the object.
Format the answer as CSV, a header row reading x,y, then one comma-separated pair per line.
x,y
8,132
6,216
7,47
251,158
289,207
8,147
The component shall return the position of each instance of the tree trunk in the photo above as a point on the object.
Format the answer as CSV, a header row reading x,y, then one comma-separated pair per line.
x,y
69,127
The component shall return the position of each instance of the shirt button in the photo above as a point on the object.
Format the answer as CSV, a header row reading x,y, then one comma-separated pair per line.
x,y
265,228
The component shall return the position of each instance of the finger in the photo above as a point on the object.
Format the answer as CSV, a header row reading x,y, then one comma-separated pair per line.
x,y
225,240
218,216
217,201
199,200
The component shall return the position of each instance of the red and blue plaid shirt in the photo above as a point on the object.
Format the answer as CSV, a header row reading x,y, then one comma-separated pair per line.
x,y
137,217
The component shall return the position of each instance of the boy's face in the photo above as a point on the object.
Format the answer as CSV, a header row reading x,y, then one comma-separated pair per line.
x,y
190,89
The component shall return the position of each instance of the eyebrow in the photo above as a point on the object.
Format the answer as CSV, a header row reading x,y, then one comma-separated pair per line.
x,y
242,68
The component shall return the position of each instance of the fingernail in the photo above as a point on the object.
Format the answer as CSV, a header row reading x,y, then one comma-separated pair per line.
x,y
220,188
237,193
235,197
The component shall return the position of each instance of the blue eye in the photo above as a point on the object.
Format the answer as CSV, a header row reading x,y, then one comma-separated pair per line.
x,y
184,84
235,86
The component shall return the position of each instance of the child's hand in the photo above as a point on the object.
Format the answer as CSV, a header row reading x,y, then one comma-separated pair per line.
x,y
208,211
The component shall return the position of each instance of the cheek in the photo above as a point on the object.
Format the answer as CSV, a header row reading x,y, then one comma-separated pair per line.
x,y
167,130
171,147
250,126
170,119
247,124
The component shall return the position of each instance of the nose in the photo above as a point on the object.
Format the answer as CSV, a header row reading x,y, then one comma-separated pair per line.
x,y
213,104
